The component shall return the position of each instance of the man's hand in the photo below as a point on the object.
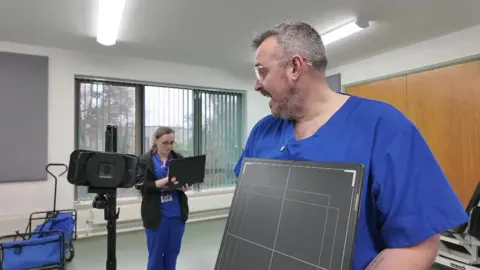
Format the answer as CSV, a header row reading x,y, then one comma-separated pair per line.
x,y
419,257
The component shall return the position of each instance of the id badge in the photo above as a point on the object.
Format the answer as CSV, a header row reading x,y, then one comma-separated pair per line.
x,y
166,197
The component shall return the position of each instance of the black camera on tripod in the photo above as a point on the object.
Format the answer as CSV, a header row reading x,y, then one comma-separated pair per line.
x,y
103,173
104,170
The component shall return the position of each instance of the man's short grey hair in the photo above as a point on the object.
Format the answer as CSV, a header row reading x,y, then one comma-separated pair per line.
x,y
296,38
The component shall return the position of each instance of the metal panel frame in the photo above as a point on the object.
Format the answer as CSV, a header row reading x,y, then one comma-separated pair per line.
x,y
354,210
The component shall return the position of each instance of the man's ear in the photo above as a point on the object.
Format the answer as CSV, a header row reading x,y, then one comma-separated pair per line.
x,y
296,65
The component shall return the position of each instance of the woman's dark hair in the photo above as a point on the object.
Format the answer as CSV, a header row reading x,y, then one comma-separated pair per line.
x,y
159,133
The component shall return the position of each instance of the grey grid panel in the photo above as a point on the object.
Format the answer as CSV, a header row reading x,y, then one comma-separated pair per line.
x,y
291,215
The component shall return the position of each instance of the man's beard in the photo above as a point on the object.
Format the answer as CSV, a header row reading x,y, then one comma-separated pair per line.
x,y
287,108
279,109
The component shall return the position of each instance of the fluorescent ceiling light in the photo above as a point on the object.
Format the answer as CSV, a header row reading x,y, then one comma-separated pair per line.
x,y
109,18
342,32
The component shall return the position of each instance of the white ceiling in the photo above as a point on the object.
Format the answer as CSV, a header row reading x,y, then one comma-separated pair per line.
x,y
217,33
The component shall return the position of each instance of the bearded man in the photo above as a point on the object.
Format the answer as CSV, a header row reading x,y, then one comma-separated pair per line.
x,y
406,202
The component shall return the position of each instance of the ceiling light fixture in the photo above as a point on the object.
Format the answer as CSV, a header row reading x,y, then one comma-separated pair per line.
x,y
109,18
344,31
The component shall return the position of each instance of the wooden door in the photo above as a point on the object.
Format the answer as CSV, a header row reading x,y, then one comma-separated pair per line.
x,y
392,91
445,105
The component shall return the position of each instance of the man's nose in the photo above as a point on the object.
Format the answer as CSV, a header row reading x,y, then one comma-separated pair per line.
x,y
258,85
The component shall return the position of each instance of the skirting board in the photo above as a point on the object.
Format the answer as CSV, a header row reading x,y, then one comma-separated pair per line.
x,y
203,206
100,230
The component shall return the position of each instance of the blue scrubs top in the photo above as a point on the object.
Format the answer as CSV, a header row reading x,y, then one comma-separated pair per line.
x,y
170,202
406,197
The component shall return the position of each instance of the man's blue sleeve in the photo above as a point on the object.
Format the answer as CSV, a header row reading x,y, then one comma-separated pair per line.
x,y
238,166
247,150
413,196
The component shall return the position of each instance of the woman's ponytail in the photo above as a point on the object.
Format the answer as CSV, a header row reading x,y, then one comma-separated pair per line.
x,y
153,149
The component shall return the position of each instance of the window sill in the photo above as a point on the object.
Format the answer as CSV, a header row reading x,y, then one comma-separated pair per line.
x,y
81,205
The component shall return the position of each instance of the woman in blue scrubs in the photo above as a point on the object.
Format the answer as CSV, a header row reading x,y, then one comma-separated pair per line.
x,y
164,211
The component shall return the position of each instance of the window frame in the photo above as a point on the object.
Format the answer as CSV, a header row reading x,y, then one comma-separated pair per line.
x,y
140,111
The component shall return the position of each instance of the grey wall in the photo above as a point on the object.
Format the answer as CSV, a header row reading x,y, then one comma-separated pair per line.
x,y
23,117
335,82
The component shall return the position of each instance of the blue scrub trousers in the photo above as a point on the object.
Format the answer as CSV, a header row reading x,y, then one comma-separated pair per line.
x,y
164,244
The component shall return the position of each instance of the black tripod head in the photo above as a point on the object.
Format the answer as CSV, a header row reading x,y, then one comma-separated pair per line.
x,y
101,201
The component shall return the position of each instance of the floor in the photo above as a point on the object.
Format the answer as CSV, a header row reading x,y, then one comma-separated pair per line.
x,y
199,250
200,247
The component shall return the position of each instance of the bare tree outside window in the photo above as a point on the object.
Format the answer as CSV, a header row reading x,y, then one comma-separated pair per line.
x,y
101,104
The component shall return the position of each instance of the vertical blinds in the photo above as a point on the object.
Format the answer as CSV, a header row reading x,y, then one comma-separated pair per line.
x,y
171,107
221,132
205,122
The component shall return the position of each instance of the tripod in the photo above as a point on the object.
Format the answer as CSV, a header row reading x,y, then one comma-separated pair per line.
x,y
106,199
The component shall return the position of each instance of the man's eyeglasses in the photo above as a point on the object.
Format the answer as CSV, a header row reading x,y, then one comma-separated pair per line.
x,y
260,71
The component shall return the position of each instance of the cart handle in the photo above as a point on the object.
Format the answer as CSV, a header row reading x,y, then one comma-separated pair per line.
x,y
55,177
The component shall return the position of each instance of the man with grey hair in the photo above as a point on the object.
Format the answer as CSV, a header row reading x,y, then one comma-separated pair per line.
x,y
407,200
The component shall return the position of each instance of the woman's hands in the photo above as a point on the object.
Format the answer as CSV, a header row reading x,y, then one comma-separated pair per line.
x,y
184,188
162,183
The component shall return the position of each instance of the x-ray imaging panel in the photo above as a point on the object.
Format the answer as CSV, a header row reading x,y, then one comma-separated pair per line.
x,y
292,215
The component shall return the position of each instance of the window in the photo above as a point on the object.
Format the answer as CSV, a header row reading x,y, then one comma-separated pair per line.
x,y
100,104
171,107
206,122
220,136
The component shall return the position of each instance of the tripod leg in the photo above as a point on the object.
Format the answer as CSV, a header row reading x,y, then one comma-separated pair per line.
x,y
111,217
